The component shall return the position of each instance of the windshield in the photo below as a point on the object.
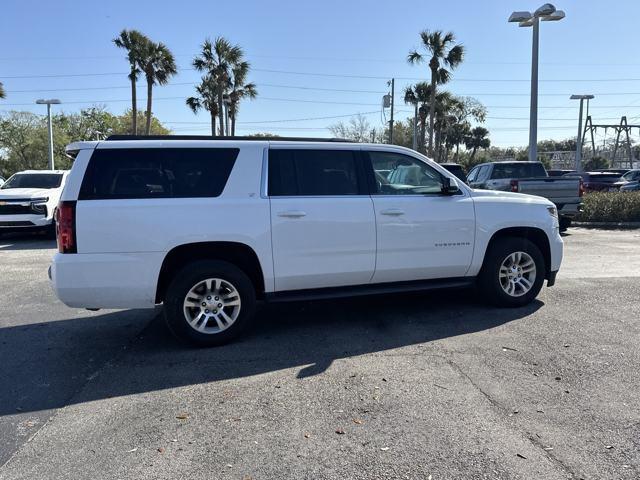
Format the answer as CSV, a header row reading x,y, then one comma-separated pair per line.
x,y
631,175
33,180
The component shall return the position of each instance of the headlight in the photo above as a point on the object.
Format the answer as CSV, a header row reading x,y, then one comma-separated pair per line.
x,y
553,211
39,205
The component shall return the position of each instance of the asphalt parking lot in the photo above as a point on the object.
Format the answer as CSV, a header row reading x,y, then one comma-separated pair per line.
x,y
422,386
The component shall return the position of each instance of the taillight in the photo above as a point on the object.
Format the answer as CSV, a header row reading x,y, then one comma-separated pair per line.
x,y
66,227
514,185
581,188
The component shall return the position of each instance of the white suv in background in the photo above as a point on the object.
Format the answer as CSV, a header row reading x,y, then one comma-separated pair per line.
x,y
209,227
28,200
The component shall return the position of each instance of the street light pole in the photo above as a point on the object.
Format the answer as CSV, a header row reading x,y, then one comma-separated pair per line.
x,y
546,13
582,98
533,106
48,103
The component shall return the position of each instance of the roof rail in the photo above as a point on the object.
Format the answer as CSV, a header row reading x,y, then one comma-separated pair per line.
x,y
209,137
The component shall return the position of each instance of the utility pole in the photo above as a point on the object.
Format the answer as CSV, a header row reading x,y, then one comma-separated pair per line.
x,y
391,117
48,103
415,127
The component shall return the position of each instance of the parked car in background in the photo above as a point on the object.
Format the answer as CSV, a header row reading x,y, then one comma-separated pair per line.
x,y
531,178
208,227
619,171
1,180
631,177
558,173
631,187
28,200
457,170
596,181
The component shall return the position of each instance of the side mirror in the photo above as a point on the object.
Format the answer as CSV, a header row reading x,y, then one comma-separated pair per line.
x,y
448,187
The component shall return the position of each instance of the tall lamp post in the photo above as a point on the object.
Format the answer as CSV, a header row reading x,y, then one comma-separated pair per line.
x,y
546,13
48,103
582,98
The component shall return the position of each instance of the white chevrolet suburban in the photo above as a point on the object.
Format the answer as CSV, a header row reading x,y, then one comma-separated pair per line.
x,y
209,227
28,200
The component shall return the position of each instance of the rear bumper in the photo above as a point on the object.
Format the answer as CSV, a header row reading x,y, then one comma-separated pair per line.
x,y
106,280
569,210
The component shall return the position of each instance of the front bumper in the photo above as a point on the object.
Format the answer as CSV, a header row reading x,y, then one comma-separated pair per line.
x,y
25,221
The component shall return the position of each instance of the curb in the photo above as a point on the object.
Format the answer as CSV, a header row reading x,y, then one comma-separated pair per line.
x,y
606,225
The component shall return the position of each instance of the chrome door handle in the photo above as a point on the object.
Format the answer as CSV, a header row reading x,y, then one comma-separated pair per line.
x,y
394,212
292,214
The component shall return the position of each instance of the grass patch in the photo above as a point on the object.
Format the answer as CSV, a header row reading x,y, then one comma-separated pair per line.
x,y
611,207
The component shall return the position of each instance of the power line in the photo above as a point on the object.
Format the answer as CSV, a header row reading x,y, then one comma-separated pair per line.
x,y
342,75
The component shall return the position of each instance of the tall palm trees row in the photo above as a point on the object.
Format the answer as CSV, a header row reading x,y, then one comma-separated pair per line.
x,y
223,83
224,74
448,114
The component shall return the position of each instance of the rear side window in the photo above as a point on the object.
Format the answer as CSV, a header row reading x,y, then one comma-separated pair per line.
x,y
313,173
157,173
518,170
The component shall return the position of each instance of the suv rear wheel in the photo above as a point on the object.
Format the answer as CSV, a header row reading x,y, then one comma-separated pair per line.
x,y
513,272
209,303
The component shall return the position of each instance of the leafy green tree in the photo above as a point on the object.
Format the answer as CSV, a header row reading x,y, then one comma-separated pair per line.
x,y
239,91
2,93
134,43
596,163
158,65
24,138
358,129
440,53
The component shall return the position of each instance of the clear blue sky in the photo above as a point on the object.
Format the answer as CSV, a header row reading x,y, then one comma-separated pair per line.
x,y
584,53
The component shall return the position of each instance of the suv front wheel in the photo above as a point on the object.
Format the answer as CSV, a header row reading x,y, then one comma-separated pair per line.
x,y
513,272
209,303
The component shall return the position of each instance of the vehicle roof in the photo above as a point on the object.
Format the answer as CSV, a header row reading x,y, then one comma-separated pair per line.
x,y
507,162
29,172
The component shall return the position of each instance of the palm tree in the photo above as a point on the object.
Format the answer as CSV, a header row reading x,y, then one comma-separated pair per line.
x,y
439,46
419,95
217,61
134,43
158,65
239,90
207,99
478,138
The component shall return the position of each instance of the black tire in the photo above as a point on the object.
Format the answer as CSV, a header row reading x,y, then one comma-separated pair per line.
x,y
186,279
50,232
489,278
565,223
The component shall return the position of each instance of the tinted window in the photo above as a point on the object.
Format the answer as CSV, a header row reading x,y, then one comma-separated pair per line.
x,y
313,172
34,180
518,170
157,173
406,175
483,173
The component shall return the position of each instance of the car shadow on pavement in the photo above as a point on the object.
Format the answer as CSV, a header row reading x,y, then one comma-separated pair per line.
x,y
26,241
48,365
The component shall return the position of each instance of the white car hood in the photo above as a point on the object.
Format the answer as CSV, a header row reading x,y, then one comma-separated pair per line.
x,y
19,193
509,196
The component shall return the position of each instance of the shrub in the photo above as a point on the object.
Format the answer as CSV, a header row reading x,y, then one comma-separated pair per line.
x,y
611,207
